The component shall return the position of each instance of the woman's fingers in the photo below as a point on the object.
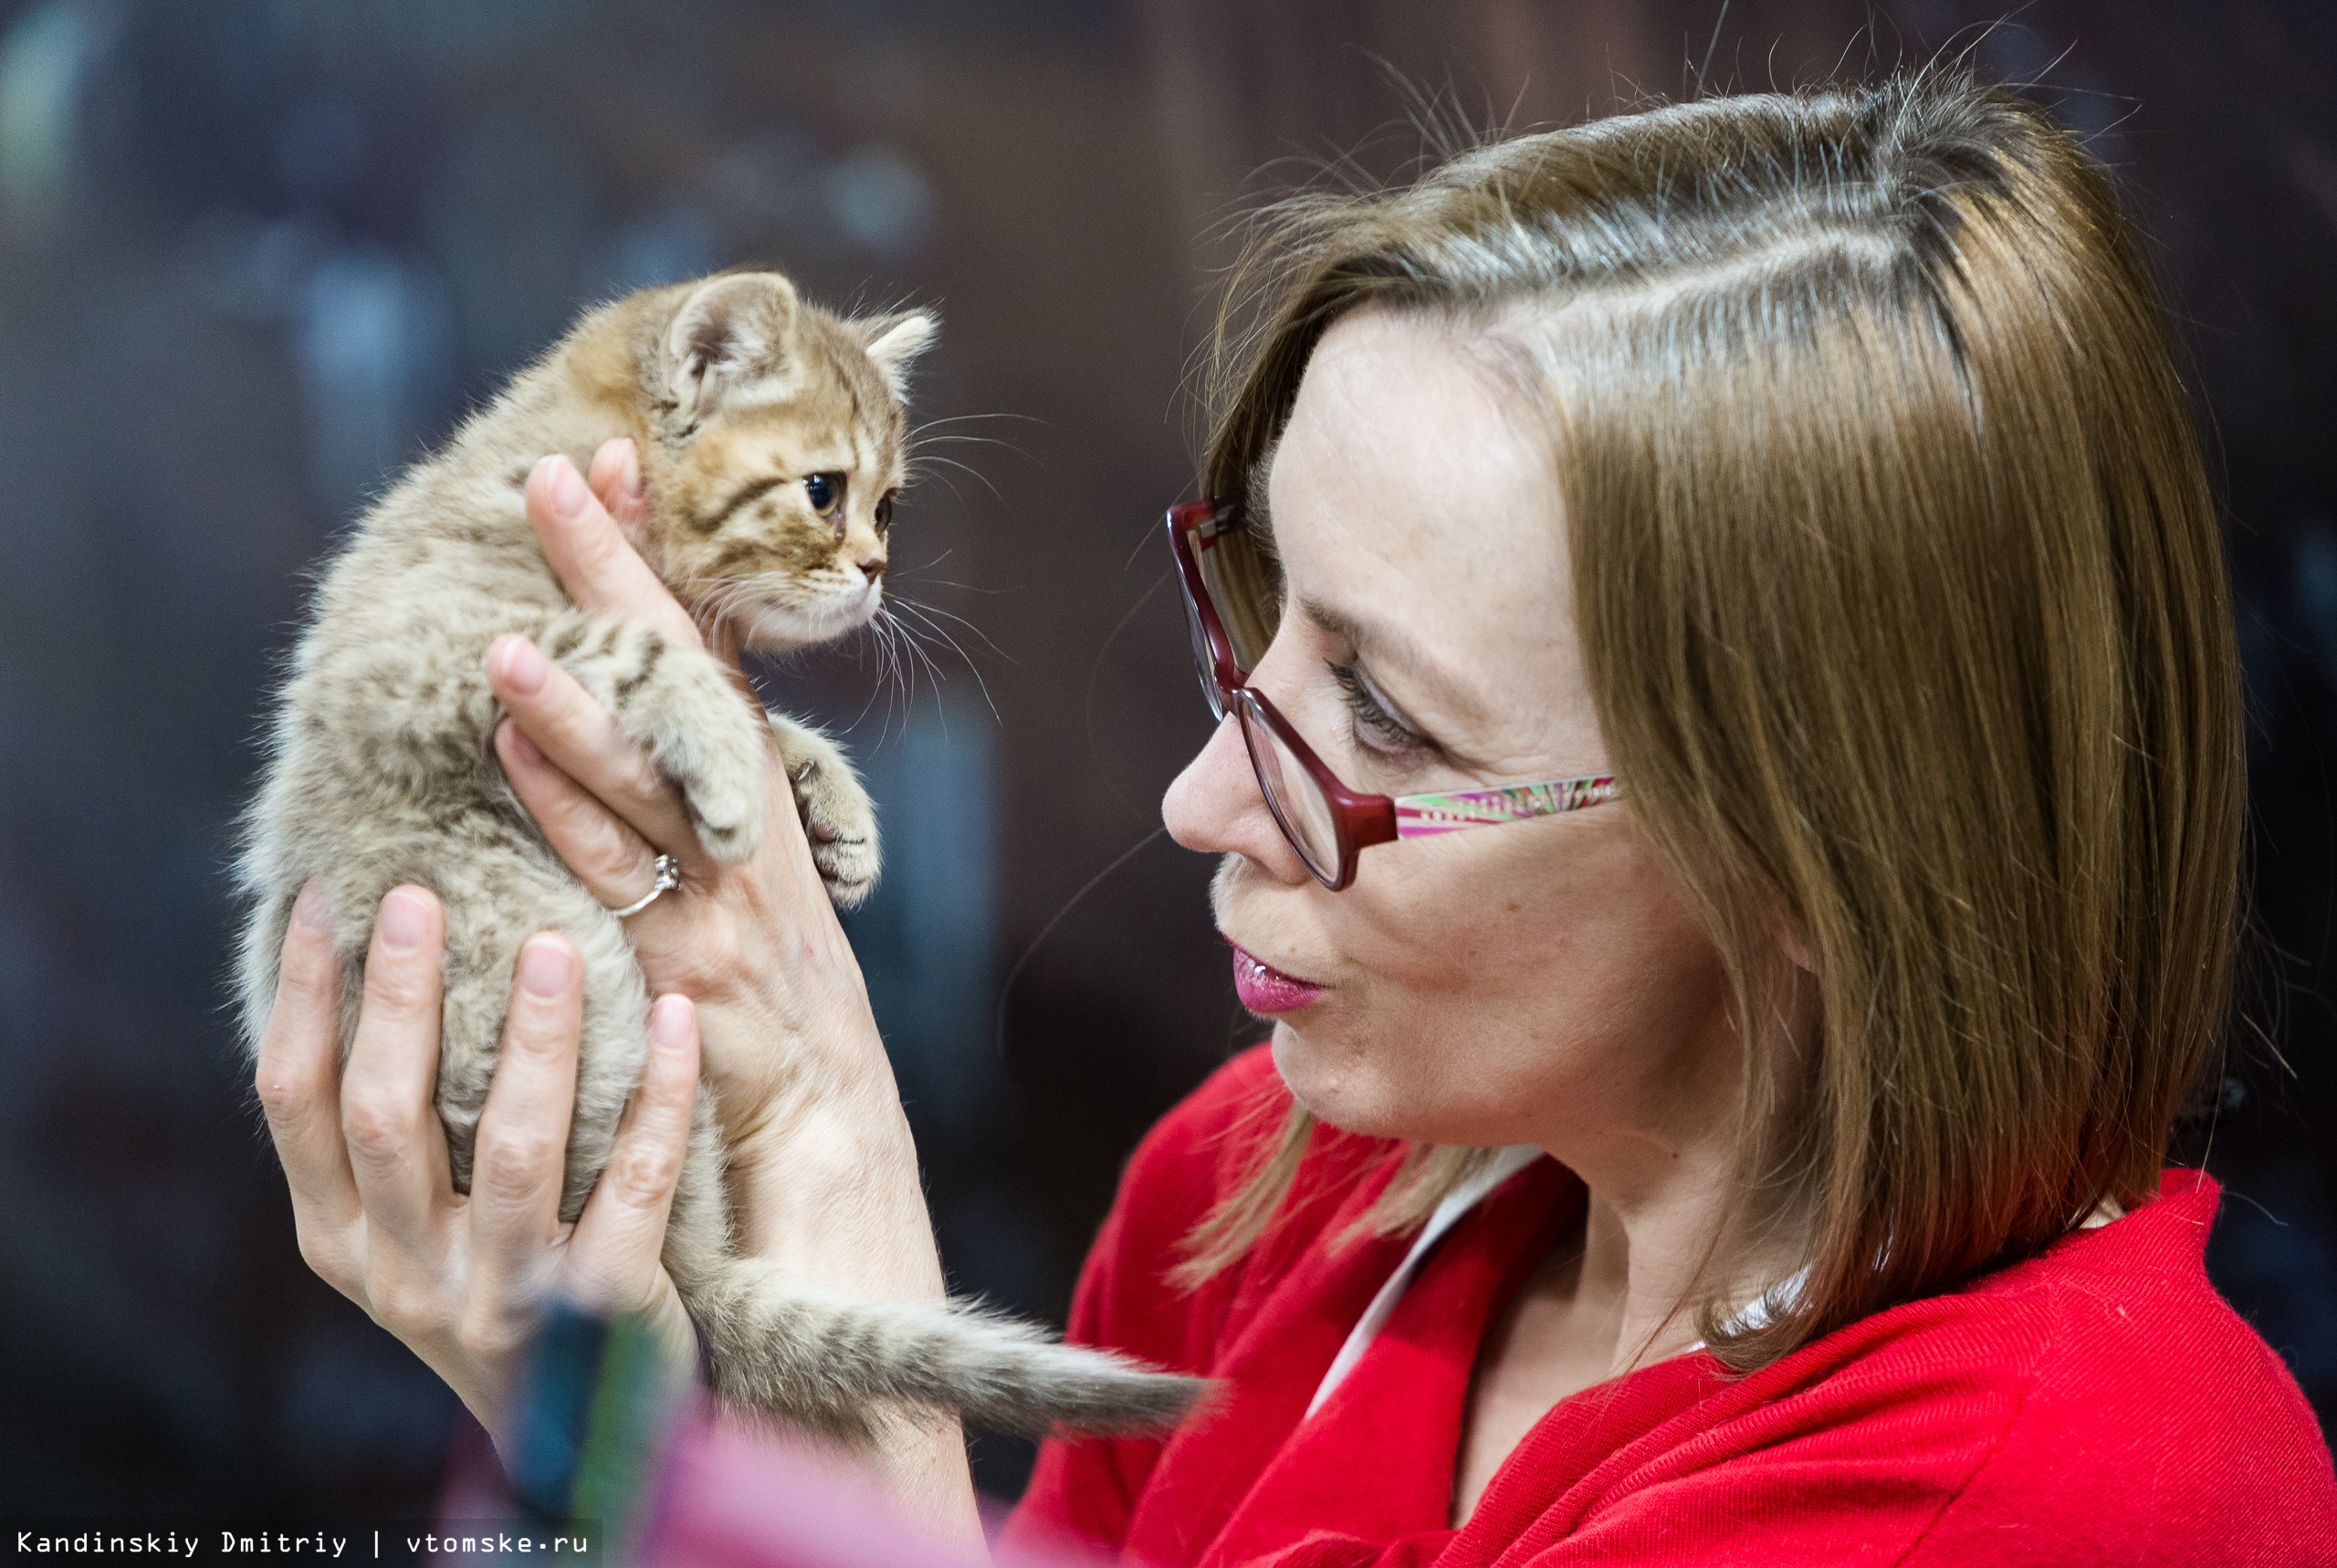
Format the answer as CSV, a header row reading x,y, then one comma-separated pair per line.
x,y
581,738
596,563
613,1255
396,1148
299,1082
521,1152
616,864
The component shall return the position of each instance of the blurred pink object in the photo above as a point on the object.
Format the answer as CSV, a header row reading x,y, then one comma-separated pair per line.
x,y
732,1497
655,1479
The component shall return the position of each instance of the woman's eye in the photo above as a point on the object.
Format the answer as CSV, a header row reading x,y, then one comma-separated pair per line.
x,y
884,511
824,491
1375,726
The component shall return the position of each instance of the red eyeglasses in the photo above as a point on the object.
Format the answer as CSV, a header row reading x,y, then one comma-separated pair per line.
x,y
1328,823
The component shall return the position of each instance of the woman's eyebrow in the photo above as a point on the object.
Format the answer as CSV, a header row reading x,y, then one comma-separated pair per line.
x,y
1385,646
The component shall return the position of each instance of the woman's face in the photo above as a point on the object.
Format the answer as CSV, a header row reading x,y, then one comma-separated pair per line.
x,y
1540,982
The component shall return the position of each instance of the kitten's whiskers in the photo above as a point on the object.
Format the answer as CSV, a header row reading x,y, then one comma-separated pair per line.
x,y
720,604
917,465
916,647
924,614
930,610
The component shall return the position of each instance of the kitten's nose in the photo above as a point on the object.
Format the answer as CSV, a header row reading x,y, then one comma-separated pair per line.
x,y
871,567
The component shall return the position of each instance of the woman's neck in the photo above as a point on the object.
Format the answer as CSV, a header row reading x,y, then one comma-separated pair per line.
x,y
1659,1235
1619,1290
1668,1223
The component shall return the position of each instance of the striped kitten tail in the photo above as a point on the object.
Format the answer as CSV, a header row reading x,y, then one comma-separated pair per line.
x,y
820,1360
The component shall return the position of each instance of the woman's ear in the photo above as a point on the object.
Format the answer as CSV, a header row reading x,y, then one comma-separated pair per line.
x,y
1790,941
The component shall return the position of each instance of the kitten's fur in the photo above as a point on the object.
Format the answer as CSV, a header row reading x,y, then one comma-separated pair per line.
x,y
733,391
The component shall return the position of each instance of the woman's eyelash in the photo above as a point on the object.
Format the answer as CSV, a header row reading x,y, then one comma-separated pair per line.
x,y
1371,715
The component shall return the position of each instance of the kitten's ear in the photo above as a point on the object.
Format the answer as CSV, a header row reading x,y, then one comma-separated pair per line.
x,y
730,330
894,341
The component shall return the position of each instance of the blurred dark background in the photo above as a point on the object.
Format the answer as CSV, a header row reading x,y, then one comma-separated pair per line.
x,y
253,254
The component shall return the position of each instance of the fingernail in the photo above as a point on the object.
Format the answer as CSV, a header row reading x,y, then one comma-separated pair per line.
x,y
568,491
670,1022
629,473
404,922
310,911
524,666
544,967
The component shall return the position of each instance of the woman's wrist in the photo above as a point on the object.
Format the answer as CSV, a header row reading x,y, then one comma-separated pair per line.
x,y
784,1009
829,1189
775,1078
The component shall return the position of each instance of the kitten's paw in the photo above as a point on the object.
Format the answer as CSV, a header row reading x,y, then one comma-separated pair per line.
x,y
721,771
679,704
839,818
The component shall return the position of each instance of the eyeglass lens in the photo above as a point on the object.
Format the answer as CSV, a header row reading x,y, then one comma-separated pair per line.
x,y
1291,791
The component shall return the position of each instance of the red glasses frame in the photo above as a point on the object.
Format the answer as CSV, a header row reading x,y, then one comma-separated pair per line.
x,y
1358,820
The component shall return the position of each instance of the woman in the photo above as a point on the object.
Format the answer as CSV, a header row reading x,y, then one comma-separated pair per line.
x,y
1781,517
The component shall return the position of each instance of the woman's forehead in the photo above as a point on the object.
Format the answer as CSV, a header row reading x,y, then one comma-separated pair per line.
x,y
1412,498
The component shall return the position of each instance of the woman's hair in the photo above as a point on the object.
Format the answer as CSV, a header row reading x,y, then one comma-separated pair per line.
x,y
1902,604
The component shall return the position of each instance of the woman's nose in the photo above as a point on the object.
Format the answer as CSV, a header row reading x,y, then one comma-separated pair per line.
x,y
1214,805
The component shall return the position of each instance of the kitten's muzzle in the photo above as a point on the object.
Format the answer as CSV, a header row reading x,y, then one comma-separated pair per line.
x,y
771,624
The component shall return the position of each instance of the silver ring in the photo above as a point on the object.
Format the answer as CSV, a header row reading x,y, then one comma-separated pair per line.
x,y
669,877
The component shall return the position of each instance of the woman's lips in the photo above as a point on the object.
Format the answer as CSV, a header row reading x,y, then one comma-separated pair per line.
x,y
1266,989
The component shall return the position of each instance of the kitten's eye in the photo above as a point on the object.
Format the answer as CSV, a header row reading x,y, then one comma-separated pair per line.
x,y
824,491
884,511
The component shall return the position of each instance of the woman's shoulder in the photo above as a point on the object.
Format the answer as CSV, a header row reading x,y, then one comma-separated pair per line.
x,y
2096,1404
2119,1323
2147,1402
2104,1403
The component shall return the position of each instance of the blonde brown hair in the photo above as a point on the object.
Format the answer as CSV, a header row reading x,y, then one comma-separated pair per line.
x,y
1902,604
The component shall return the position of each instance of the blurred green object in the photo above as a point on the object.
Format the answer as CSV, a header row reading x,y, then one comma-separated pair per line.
x,y
599,1398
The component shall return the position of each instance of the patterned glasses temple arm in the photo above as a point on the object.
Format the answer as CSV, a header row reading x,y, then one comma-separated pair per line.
x,y
1417,816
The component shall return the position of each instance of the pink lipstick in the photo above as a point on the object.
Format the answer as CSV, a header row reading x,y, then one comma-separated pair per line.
x,y
1266,989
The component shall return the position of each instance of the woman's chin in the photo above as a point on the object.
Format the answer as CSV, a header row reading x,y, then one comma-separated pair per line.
x,y
1330,1084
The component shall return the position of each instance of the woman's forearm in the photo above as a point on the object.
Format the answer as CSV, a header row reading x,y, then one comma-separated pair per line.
x,y
832,1193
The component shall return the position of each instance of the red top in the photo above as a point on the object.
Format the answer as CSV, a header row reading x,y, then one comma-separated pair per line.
x,y
2099,1404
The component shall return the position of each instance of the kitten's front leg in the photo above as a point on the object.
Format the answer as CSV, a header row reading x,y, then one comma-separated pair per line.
x,y
839,818
680,705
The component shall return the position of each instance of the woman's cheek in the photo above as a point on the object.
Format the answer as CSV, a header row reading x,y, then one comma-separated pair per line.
x,y
1370,1070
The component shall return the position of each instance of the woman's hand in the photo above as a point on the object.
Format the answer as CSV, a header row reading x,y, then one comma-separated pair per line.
x,y
792,1049
461,1278
823,1172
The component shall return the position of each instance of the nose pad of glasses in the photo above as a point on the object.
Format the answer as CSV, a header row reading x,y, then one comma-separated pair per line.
x,y
1297,805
